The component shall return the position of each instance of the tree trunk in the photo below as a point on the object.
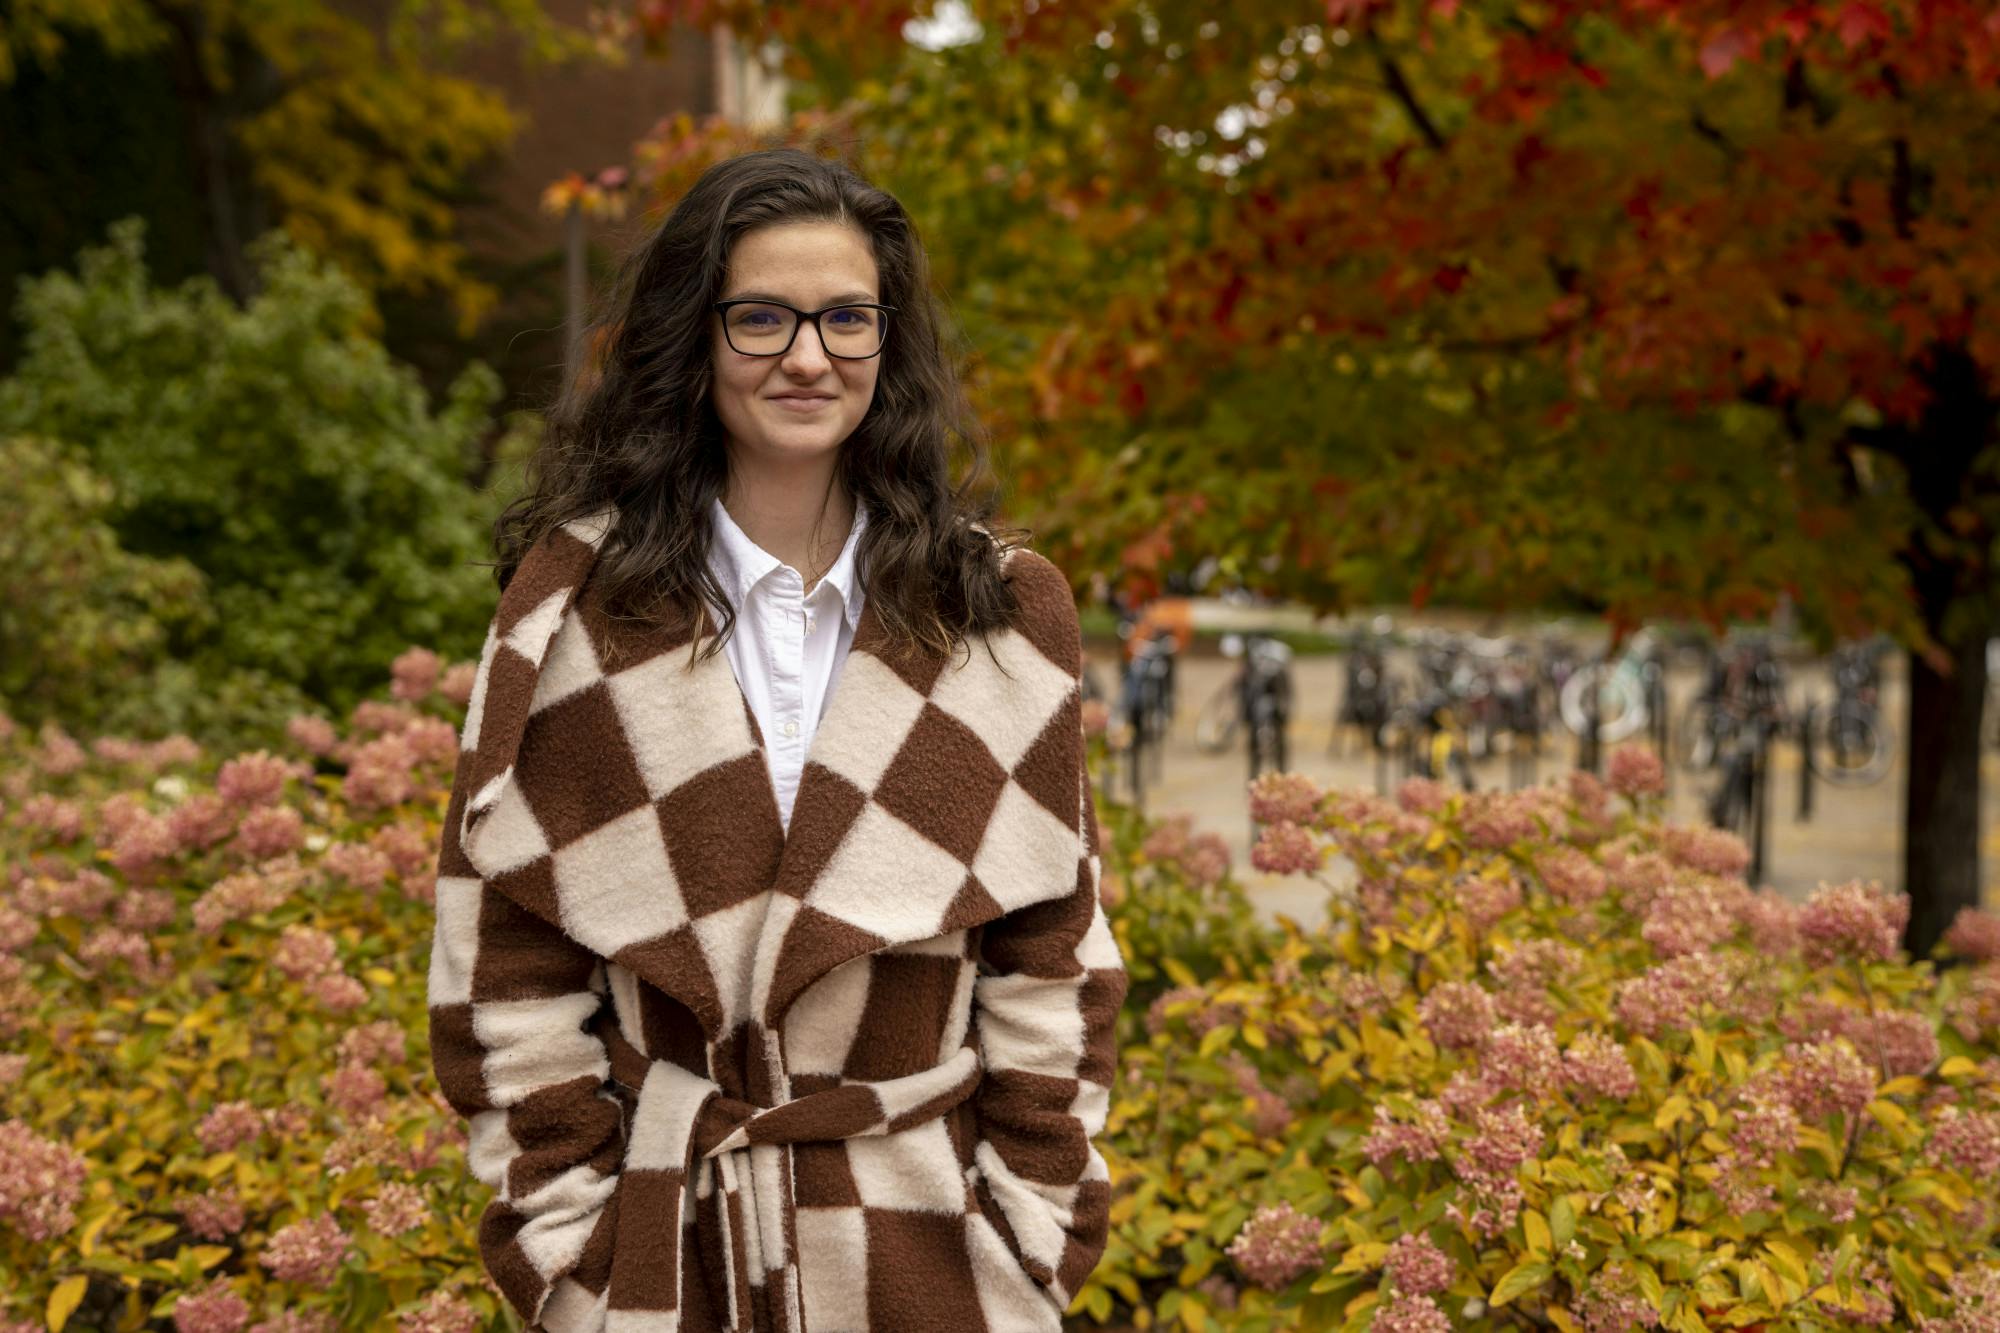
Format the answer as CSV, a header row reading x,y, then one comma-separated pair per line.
x,y
1945,455
1941,791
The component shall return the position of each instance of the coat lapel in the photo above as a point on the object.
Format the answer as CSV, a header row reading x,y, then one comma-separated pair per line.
x,y
627,799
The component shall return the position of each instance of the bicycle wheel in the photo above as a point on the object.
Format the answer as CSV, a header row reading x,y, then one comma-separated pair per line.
x,y
1215,725
1620,709
1694,737
1848,746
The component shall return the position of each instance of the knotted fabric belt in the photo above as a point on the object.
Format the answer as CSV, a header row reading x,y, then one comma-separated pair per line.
x,y
686,1124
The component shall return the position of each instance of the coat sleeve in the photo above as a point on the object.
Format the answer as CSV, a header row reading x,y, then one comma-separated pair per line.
x,y
1045,1005
512,1004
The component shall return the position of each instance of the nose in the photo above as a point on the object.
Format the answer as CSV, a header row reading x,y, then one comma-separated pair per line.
x,y
808,350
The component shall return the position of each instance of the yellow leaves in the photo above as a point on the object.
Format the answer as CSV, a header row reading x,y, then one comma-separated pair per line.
x,y
1672,1111
1536,1228
86,1236
1518,1281
1181,973
1909,1085
63,1300
1957,1067
1253,1035
380,976
1362,1257
1216,1038
1703,1055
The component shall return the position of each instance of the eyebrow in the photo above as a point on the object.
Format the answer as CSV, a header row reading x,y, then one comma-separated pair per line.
x,y
842,299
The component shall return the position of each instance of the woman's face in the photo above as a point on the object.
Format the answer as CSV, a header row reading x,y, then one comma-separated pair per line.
x,y
808,265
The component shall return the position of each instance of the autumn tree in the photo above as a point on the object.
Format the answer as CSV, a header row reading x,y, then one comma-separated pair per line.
x,y
1660,310
345,126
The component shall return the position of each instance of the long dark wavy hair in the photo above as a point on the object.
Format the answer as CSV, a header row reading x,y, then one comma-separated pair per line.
x,y
636,428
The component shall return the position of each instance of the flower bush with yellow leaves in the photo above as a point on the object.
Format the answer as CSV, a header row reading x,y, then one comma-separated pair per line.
x,y
1549,1062
216,1107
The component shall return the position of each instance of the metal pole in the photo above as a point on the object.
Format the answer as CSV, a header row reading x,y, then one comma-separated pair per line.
x,y
575,285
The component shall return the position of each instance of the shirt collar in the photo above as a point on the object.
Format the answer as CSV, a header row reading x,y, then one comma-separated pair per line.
x,y
741,564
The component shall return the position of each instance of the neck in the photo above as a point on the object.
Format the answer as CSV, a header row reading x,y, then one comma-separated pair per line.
x,y
803,525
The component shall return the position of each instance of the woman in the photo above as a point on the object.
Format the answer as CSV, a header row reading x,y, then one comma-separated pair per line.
x,y
735,1060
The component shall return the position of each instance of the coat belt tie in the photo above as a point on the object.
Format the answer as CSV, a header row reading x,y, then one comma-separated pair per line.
x,y
685,1122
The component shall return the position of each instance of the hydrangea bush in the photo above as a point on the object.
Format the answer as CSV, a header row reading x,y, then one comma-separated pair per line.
x,y
216,1107
1550,1062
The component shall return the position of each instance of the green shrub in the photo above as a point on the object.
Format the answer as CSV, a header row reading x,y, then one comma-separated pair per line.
x,y
277,449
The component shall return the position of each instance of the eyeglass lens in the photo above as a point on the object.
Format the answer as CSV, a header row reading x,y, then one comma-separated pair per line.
x,y
761,330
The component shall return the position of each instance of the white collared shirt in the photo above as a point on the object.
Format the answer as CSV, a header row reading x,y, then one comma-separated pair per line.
x,y
787,647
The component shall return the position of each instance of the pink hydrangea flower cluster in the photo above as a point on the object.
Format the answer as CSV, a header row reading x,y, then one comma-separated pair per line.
x,y
1772,921
229,1125
1403,1313
144,846
1496,820
243,894
1420,1138
380,1042
1277,1246
1526,972
1975,1302
414,674
309,1252
202,820
1485,899
433,741
443,1311
1974,934
1712,851
41,1182
1287,798
377,717
1975,1012
355,1089
57,754
1423,796
1968,1141
1854,920
1666,997
268,831
1596,1063
1827,1078
1611,1303
257,778
379,773
1287,849
112,944
409,849
1571,877
314,735
58,819
1693,914
457,682
213,1309
366,868
216,1215
1459,1015
1503,1139
397,1207
1417,1266
1636,772
1522,1058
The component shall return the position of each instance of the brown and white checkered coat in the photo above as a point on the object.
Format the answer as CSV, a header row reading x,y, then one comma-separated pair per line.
x,y
725,1075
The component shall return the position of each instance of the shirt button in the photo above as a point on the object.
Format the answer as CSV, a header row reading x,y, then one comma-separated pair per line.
x,y
791,726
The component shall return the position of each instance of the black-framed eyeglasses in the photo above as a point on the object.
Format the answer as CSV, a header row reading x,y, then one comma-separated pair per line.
x,y
853,332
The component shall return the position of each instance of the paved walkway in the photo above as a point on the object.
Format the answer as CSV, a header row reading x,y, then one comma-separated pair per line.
x,y
1853,832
